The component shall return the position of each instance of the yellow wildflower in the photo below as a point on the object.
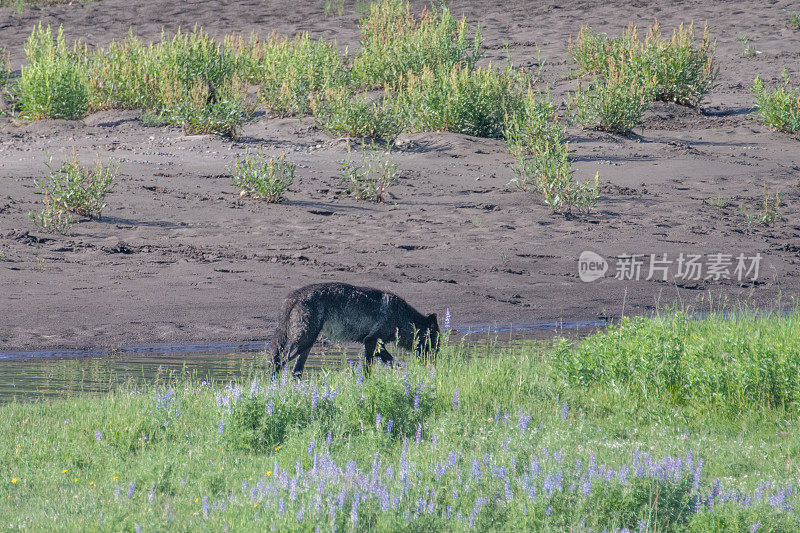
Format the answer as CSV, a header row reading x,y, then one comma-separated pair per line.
x,y
14,480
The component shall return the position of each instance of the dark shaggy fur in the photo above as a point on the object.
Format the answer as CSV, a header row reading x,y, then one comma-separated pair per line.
x,y
343,312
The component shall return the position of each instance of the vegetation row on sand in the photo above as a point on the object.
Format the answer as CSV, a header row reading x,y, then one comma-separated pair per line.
x,y
653,425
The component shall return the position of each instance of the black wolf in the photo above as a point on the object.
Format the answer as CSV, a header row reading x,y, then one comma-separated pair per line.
x,y
343,312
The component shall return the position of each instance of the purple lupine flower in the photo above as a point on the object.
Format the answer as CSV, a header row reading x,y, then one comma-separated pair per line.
x,y
281,507
548,511
152,494
354,514
389,425
447,318
138,528
476,471
205,507
300,515
434,439
416,397
116,492
378,421
221,426
97,435
755,527
433,373
330,438
254,388
360,375
314,396
586,488
270,407
564,411
419,433
131,488
311,448
455,399
406,385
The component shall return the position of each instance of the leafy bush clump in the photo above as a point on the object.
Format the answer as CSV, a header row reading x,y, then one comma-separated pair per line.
x,y
74,189
536,139
370,179
394,42
261,178
291,73
614,102
461,100
681,69
188,80
779,109
54,83
342,111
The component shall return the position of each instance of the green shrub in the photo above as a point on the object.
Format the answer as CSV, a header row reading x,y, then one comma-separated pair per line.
x,y
461,100
536,139
341,111
731,364
394,42
54,83
74,189
261,178
614,102
370,179
187,80
4,68
779,109
291,73
681,68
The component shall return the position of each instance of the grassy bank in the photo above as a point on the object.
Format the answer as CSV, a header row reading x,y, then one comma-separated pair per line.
x,y
654,425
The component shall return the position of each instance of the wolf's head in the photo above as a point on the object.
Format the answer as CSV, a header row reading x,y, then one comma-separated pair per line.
x,y
428,344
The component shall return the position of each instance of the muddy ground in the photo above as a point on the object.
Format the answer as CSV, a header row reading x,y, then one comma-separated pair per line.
x,y
179,257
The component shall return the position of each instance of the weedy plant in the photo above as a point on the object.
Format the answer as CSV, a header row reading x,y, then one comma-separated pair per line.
x,y
681,68
536,139
5,72
72,188
616,101
395,42
460,99
334,7
794,20
341,111
779,109
748,48
292,72
54,83
262,178
370,179
770,211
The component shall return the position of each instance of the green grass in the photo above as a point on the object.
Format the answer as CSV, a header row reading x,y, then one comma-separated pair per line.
x,y
665,424
780,108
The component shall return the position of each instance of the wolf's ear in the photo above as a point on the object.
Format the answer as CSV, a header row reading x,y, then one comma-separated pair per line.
x,y
432,319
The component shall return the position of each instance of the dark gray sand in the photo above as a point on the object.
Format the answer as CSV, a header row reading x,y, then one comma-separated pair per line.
x,y
179,257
